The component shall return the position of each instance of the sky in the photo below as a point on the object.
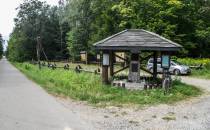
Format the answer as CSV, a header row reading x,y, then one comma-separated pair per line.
x,y
8,13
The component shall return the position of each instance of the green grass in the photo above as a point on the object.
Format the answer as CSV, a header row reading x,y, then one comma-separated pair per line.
x,y
203,73
88,87
194,61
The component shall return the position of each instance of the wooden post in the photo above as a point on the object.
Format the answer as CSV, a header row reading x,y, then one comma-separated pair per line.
x,y
105,76
105,68
38,49
111,60
86,57
155,65
134,71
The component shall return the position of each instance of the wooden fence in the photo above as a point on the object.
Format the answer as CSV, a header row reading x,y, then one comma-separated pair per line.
x,y
77,69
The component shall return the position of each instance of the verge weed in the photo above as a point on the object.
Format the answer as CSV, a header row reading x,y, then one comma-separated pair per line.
x,y
88,87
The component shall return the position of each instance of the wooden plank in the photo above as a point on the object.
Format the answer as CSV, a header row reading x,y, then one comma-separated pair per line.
x,y
105,78
146,70
121,70
111,58
126,60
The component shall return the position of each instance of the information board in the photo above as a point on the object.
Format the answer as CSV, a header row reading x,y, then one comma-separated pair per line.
x,y
165,61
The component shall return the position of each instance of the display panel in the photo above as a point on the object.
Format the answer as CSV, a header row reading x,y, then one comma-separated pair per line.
x,y
165,61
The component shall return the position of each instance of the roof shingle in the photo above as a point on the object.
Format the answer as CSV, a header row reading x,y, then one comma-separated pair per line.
x,y
134,39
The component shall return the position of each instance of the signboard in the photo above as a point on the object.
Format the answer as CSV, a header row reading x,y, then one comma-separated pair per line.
x,y
134,67
98,56
165,61
106,59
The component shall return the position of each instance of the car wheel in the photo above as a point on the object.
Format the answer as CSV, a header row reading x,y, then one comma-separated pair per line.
x,y
176,72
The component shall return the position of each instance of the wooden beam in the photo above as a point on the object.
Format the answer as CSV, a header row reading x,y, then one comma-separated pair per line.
x,y
155,65
146,70
105,78
121,70
105,68
86,57
38,49
126,60
111,60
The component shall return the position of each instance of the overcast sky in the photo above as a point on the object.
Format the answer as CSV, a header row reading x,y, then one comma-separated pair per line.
x,y
8,13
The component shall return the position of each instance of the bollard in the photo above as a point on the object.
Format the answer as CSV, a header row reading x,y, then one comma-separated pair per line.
x,y
150,86
123,85
145,87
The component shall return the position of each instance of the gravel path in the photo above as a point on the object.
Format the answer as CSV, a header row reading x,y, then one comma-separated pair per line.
x,y
193,114
202,83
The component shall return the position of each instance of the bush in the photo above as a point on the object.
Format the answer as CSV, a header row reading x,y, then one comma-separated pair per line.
x,y
201,73
191,62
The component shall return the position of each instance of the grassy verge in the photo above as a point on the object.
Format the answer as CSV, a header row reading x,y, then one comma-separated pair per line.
x,y
203,73
88,87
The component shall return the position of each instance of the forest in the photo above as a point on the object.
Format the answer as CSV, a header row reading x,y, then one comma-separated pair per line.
x,y
75,25
1,46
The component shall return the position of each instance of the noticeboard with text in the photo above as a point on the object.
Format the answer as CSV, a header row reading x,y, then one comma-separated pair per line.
x,y
165,61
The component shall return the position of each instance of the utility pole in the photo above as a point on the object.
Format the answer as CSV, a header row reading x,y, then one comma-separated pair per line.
x,y
38,49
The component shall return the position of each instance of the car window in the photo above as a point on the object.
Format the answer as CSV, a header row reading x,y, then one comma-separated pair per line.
x,y
151,61
173,64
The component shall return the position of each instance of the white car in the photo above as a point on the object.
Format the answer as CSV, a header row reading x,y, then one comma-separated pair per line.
x,y
175,68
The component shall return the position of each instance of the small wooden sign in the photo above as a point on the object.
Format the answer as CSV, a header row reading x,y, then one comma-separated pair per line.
x,y
106,59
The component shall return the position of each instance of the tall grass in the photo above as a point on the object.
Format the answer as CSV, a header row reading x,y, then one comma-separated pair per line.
x,y
202,73
194,61
88,87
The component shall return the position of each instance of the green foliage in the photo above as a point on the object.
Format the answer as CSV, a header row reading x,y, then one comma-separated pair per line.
x,y
80,17
35,19
75,25
202,73
16,50
185,22
194,61
88,87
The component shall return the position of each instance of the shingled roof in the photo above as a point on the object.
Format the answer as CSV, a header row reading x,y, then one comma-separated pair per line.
x,y
137,39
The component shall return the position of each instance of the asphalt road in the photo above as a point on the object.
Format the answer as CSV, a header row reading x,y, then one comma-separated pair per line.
x,y
26,106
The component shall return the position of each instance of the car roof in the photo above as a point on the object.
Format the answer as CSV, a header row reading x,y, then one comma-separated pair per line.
x,y
152,59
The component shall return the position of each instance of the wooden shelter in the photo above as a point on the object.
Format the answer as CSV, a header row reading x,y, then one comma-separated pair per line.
x,y
134,41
